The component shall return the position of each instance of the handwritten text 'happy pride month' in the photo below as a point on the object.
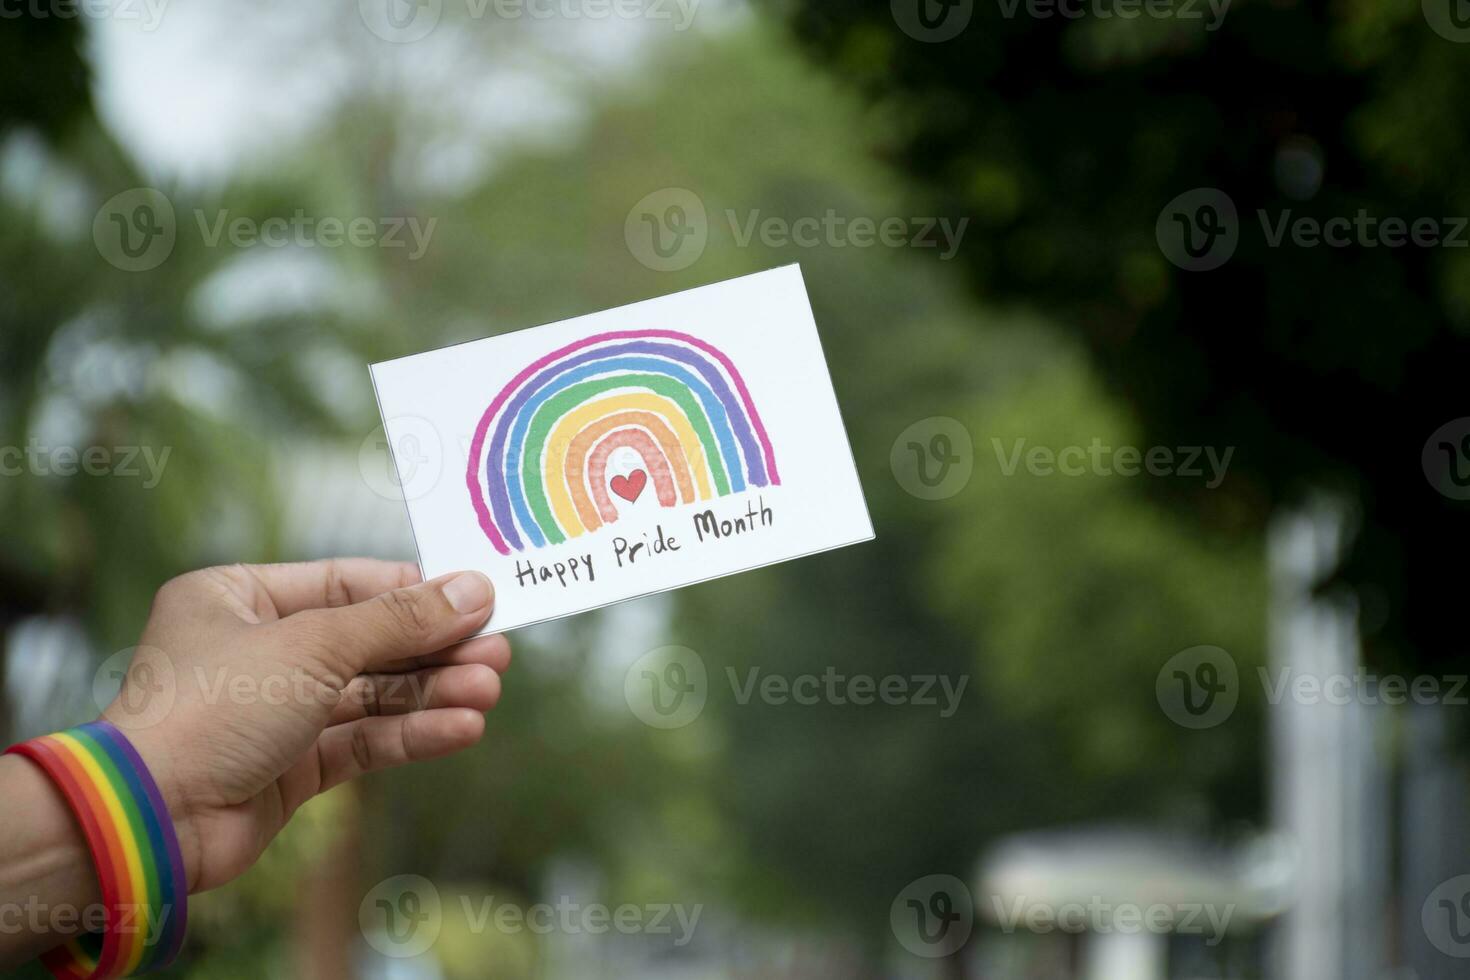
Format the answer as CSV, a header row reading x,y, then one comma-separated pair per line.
x,y
707,527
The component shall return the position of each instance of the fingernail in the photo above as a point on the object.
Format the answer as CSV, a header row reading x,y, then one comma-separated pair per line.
x,y
468,592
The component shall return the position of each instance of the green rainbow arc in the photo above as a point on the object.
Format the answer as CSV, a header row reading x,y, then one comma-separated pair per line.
x,y
558,405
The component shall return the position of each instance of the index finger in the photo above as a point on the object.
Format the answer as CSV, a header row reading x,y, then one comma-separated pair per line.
x,y
331,582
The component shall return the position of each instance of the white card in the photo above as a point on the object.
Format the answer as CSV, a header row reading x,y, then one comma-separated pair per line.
x,y
625,452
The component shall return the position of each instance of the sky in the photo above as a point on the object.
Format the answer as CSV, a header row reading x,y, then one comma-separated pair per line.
x,y
199,91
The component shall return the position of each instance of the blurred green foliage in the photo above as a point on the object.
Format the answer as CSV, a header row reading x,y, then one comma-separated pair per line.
x,y
1056,599
1067,129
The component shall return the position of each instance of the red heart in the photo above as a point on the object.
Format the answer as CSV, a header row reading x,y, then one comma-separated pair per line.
x,y
630,486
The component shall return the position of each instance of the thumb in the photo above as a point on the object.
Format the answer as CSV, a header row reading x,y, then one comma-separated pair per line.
x,y
404,622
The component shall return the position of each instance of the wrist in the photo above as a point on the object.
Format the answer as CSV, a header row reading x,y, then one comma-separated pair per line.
x,y
153,750
44,847
133,845
47,879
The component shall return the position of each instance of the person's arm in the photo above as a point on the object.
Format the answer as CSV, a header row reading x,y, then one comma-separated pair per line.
x,y
45,871
255,688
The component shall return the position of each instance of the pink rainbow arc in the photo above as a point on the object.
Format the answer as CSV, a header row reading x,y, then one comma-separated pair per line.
x,y
654,462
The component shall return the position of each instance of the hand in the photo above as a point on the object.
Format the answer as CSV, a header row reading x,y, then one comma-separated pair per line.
x,y
255,687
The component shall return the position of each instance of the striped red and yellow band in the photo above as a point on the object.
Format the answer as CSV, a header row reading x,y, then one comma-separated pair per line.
x,y
134,847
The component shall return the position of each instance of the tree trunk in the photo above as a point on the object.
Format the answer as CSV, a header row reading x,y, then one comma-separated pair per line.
x,y
325,935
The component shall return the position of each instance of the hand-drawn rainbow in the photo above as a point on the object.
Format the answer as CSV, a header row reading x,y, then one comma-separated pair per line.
x,y
675,400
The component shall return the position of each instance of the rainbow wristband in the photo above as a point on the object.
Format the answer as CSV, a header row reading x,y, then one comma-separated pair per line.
x,y
131,836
